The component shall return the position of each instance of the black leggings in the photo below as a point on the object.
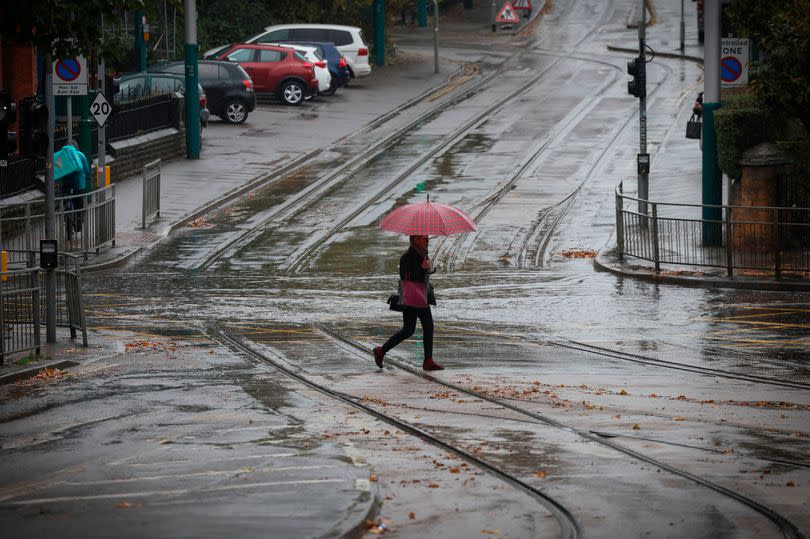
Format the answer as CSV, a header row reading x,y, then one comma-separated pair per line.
x,y
409,316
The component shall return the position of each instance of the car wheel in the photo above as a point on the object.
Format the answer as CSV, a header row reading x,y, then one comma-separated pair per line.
x,y
332,88
292,93
235,112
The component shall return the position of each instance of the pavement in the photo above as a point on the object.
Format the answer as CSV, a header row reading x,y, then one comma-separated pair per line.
x,y
230,167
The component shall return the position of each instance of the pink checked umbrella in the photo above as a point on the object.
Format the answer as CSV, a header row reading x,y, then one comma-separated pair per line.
x,y
427,219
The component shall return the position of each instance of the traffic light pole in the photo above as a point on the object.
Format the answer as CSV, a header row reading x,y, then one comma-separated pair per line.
x,y
643,172
50,229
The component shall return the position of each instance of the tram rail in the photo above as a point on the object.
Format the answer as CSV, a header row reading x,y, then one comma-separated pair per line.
x,y
786,527
568,525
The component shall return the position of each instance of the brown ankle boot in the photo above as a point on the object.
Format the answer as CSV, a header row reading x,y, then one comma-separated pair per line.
x,y
430,365
378,356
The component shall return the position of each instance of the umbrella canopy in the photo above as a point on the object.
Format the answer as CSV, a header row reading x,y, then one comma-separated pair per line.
x,y
427,219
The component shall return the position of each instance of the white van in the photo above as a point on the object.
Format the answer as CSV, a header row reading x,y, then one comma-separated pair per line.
x,y
347,39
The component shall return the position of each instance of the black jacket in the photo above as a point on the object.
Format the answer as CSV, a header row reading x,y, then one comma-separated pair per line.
x,y
410,266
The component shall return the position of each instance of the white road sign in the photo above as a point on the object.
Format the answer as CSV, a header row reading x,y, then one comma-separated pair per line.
x,y
733,61
100,109
70,76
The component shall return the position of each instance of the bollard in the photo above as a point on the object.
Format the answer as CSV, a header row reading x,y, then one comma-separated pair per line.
x,y
107,176
4,264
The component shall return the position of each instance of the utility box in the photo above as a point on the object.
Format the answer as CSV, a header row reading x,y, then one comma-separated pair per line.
x,y
758,189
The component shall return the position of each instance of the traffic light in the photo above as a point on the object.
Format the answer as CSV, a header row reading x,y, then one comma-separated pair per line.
x,y
8,115
638,69
33,128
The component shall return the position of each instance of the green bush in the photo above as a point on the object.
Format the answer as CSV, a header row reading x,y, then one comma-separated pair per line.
x,y
744,121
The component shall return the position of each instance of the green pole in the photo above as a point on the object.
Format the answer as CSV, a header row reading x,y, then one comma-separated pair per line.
x,y
85,139
379,32
421,13
192,108
140,44
712,179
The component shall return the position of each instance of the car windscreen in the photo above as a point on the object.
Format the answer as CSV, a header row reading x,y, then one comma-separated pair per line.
x,y
300,56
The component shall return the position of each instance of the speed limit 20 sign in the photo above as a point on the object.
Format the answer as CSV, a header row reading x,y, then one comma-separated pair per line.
x,y
100,109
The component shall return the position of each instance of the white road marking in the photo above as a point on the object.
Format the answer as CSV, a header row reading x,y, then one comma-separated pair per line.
x,y
178,492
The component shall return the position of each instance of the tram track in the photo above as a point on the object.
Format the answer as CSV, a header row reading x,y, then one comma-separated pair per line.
x,y
787,528
647,360
569,527
308,196
322,185
612,353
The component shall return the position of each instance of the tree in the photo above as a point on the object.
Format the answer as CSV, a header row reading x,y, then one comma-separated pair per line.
x,y
63,28
780,29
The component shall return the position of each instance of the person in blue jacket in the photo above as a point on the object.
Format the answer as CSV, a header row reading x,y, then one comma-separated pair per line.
x,y
76,183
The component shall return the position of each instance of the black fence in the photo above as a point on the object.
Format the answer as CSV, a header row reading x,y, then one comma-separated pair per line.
x,y
129,119
18,176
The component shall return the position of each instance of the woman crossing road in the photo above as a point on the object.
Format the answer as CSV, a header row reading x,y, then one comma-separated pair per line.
x,y
415,298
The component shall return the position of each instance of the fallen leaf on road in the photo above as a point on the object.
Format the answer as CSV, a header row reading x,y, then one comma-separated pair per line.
x,y
636,426
433,485
411,515
623,392
541,474
579,253
679,419
790,484
372,478
49,374
127,505
454,469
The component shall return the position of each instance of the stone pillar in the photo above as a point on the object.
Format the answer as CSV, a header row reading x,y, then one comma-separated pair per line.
x,y
757,188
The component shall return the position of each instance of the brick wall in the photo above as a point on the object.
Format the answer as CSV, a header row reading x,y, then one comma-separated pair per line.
x,y
18,72
132,154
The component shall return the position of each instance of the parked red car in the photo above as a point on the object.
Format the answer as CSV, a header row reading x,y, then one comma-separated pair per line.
x,y
276,71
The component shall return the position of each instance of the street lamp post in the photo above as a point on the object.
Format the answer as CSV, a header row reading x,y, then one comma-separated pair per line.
x,y
192,80
435,36
683,29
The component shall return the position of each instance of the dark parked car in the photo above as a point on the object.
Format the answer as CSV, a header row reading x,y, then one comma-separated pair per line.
x,y
228,87
276,71
139,85
338,67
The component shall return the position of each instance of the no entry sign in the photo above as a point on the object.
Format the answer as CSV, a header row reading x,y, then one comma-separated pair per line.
x,y
733,61
70,76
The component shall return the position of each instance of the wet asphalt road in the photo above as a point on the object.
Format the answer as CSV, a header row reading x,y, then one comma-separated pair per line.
x,y
548,139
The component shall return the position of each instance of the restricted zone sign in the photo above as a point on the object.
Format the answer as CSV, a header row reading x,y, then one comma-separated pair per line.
x,y
70,76
733,61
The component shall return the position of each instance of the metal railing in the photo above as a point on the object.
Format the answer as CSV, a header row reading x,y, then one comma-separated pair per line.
x,y
757,239
151,191
19,312
23,301
83,223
